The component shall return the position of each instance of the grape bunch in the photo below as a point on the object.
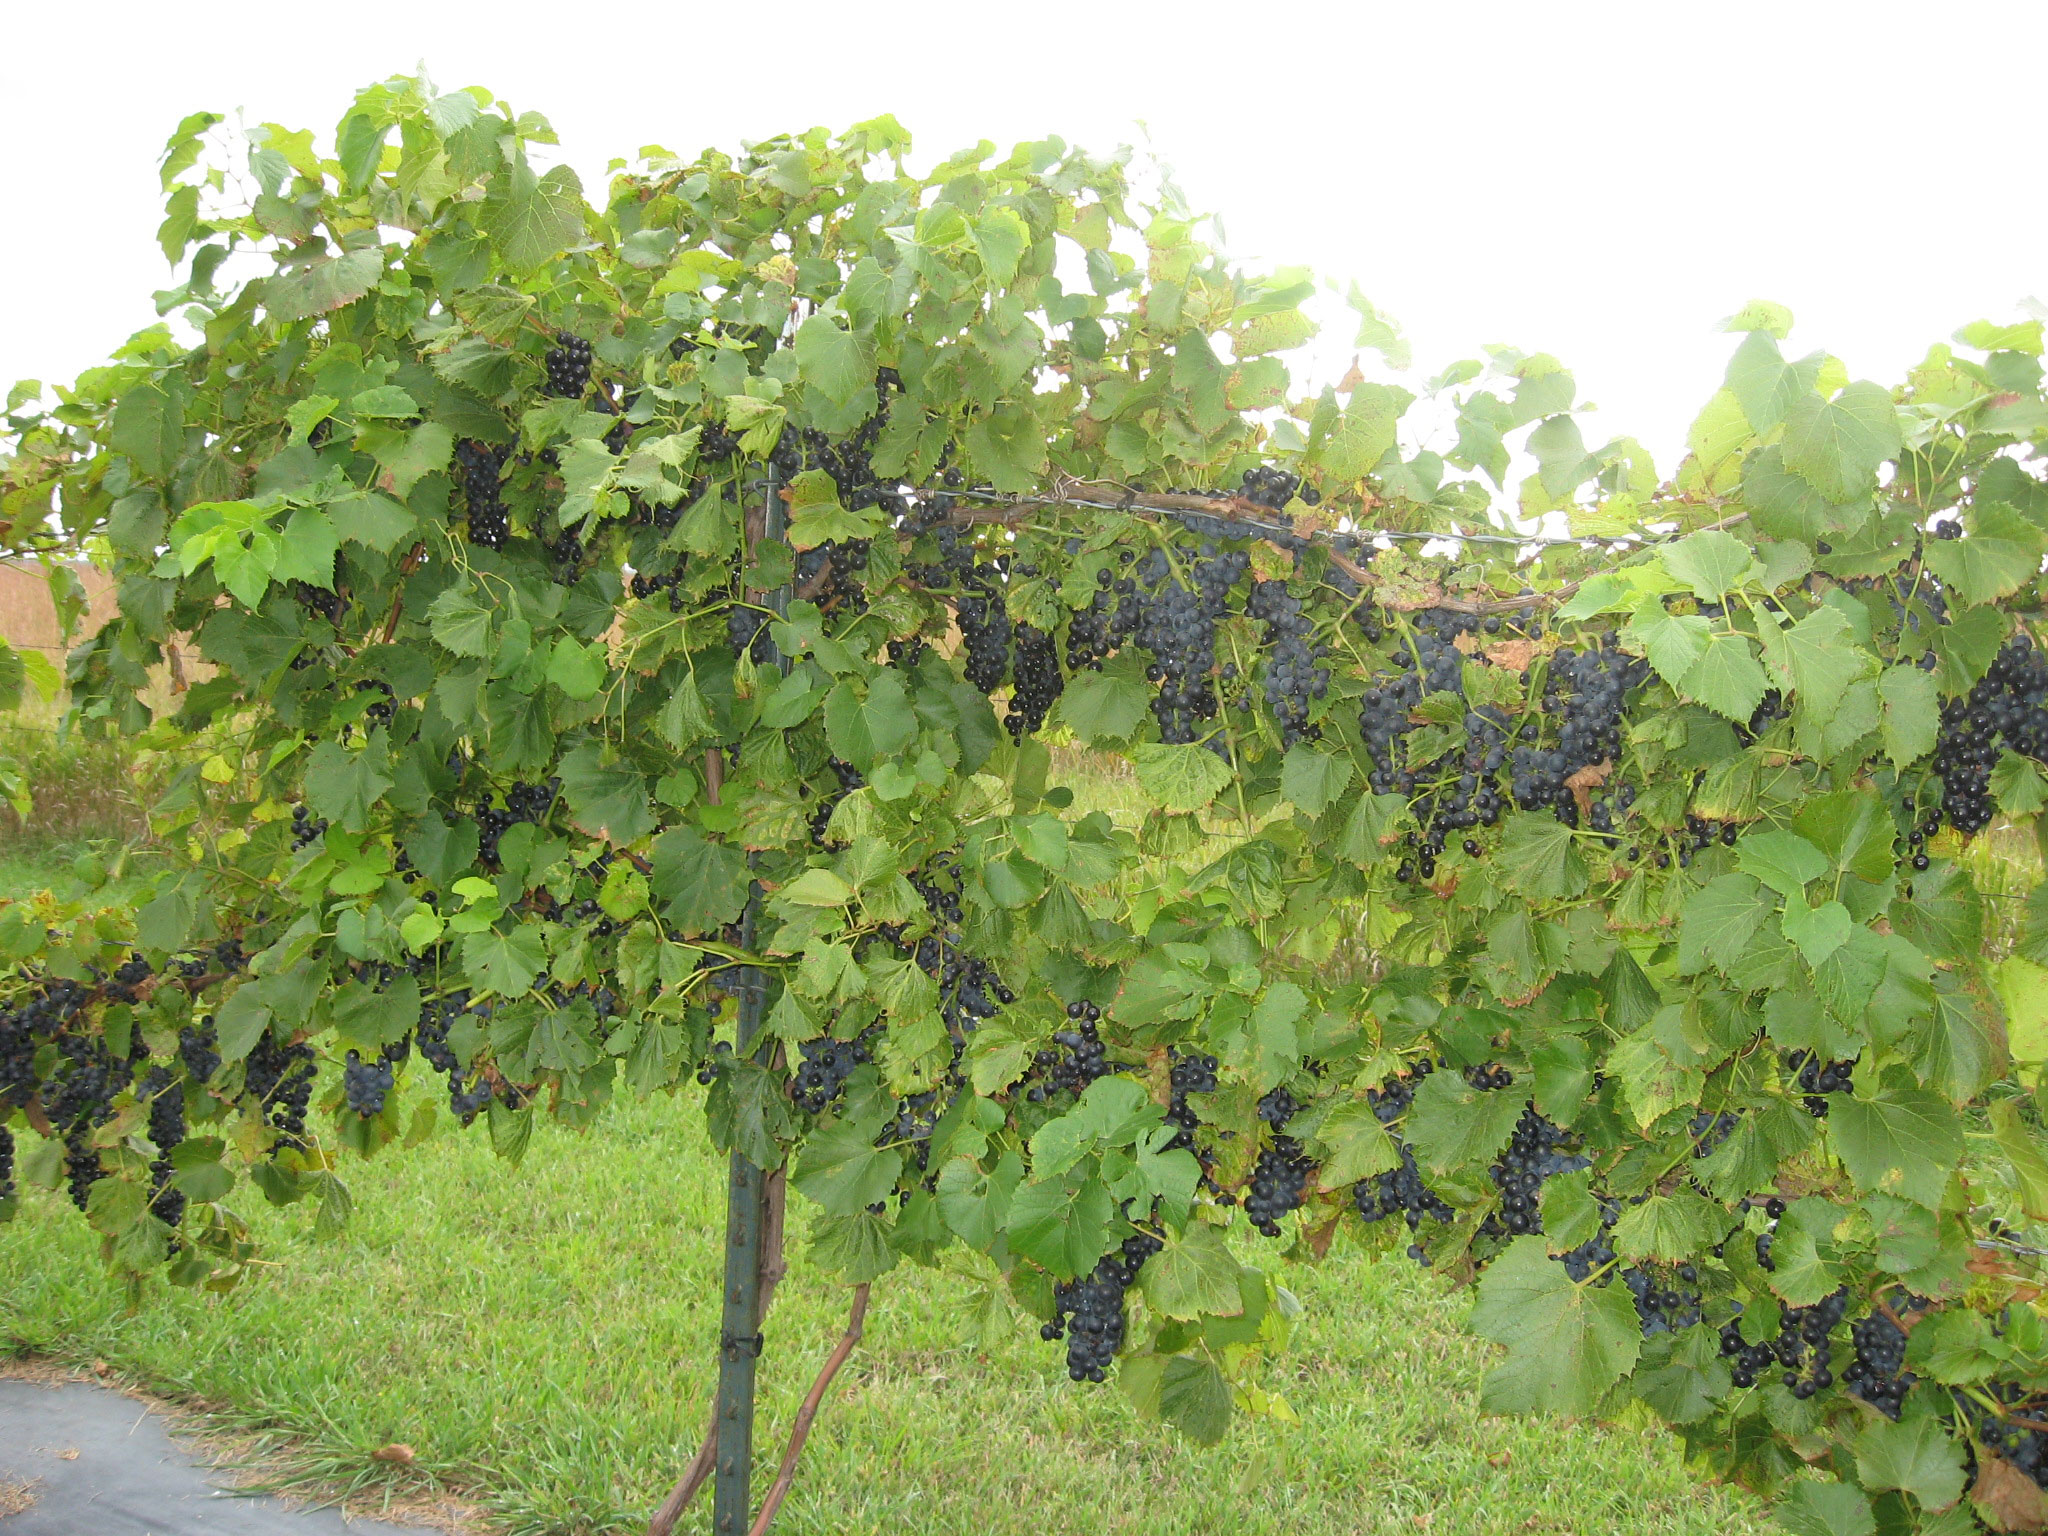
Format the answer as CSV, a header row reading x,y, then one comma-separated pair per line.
x,y
1801,1347
1036,681
1668,1307
2008,707
523,802
1295,677
849,780
1280,1181
1586,691
1079,1060
6,1164
366,1084
166,1098
827,1064
1817,1078
480,468
1177,624
1536,1151
1188,1072
2020,1444
1089,1312
985,634
306,830
1400,1191
280,1078
1878,1374
1270,486
1110,620
568,365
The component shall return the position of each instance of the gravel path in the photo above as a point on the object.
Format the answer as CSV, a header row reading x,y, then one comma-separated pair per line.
x,y
81,1460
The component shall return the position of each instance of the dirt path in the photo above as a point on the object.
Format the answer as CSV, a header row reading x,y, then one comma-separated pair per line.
x,y
84,1460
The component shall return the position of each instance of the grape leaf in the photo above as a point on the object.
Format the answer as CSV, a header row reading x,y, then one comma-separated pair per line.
x,y
1907,1141
1567,1344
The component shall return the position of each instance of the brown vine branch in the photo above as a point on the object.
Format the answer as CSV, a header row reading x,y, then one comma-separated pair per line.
x,y
678,1500
801,1430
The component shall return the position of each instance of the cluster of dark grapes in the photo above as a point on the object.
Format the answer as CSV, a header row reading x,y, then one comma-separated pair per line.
x,y
1271,486
42,1016
6,1164
1709,1131
970,988
568,365
1697,835
1538,1150
985,633
1295,675
367,1084
1036,681
166,1096
1818,1078
1177,624
1666,1307
481,470
827,1064
199,1049
280,1077
1280,1181
2008,707
523,802
1586,690
1075,1059
1187,1072
747,631
306,828
647,586
1089,1312
1801,1347
1400,1191
826,575
1878,1374
1110,620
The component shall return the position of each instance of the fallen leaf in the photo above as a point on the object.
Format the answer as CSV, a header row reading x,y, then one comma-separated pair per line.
x,y
1514,655
400,1455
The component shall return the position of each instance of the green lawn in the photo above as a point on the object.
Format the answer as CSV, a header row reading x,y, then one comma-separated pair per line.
x,y
543,1338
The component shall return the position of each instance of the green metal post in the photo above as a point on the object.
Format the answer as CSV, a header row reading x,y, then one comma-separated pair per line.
x,y
745,1217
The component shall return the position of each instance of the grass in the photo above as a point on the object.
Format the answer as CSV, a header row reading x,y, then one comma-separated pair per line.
x,y
81,788
543,1339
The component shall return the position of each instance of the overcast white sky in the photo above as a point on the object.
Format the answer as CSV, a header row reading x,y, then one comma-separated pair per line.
x,y
1601,181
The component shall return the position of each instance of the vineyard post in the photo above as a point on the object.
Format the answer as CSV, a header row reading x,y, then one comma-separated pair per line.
x,y
746,1202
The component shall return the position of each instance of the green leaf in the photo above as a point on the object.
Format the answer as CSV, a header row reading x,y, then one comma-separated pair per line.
x,y
816,516
1826,1509
842,1169
1180,777
322,285
530,218
577,669
1766,385
149,425
1365,433
868,730
1673,642
1195,1398
1915,1456
1999,554
504,963
839,364
1566,1344
1837,445
1906,1142
606,798
1102,706
1719,922
1816,660
1727,678
1061,1224
1312,778
1713,563
1193,1276
1356,1145
240,1022
1454,1126
1538,858
342,785
1782,860
1912,713
703,884
2024,1154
